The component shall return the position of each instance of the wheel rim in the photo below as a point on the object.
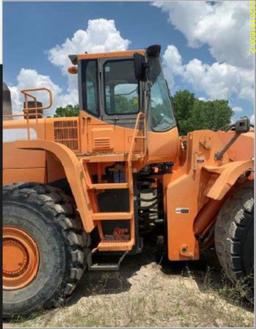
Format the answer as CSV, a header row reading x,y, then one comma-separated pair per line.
x,y
20,258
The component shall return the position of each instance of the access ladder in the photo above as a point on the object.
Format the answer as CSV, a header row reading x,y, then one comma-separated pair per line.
x,y
117,245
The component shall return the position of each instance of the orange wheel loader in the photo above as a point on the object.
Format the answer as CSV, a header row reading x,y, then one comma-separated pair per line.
x,y
76,188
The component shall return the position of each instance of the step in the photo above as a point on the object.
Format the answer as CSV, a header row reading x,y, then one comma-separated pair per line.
x,y
97,266
104,267
115,245
108,186
112,216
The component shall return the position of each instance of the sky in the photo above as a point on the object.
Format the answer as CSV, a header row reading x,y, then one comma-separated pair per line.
x,y
205,45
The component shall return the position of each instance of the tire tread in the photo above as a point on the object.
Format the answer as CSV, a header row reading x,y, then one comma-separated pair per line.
x,y
55,202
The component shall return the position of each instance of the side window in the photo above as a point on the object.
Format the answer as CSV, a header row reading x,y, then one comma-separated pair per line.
x,y
161,113
90,87
121,88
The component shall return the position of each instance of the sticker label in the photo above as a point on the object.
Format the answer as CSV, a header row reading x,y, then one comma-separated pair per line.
x,y
182,210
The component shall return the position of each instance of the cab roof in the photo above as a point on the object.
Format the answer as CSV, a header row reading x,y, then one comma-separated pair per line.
x,y
153,50
114,54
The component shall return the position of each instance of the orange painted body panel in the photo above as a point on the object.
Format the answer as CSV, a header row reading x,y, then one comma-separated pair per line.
x,y
98,136
198,180
24,175
18,130
163,146
19,159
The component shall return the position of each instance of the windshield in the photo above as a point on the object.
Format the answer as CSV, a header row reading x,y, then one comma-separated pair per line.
x,y
161,113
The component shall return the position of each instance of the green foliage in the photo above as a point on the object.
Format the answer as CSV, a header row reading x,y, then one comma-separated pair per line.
x,y
194,114
126,105
67,111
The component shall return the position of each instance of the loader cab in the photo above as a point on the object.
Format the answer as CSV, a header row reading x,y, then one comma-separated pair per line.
x,y
109,90
115,87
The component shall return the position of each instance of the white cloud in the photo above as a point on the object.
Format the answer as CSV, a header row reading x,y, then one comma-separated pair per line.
x,y
101,35
252,119
218,80
224,26
173,60
237,109
172,64
237,113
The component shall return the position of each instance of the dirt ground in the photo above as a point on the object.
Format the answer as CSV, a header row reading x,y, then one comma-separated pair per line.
x,y
145,293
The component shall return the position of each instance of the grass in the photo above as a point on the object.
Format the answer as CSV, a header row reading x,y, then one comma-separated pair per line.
x,y
148,295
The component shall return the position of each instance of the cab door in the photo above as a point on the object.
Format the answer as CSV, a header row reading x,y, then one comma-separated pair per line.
x,y
110,98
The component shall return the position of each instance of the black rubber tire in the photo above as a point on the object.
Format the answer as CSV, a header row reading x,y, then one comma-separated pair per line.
x,y
48,216
234,238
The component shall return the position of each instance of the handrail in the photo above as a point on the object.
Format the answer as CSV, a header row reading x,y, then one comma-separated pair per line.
x,y
130,174
135,133
26,94
27,110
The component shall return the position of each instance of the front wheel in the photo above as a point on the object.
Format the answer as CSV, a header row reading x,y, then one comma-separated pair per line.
x,y
234,238
44,249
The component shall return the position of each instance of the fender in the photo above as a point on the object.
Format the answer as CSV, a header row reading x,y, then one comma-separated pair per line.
x,y
228,175
74,173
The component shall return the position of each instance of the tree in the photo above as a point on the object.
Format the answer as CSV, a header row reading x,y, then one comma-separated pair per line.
x,y
125,105
183,103
194,114
68,111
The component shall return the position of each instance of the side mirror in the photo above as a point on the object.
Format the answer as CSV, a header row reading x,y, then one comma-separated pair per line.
x,y
242,125
140,67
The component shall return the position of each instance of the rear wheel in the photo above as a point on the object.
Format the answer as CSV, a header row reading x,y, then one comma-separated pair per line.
x,y
44,248
234,238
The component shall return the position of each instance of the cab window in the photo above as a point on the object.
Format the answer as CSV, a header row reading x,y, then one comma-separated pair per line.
x,y
90,87
161,111
121,90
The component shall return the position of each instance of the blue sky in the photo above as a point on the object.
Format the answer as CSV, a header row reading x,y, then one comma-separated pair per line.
x,y
30,30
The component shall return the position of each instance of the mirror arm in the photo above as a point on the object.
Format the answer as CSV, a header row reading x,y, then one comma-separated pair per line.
x,y
219,154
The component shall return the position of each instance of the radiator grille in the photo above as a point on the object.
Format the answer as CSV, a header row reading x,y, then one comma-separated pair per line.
x,y
101,143
66,132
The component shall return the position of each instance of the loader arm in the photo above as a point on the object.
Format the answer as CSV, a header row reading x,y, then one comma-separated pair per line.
x,y
228,175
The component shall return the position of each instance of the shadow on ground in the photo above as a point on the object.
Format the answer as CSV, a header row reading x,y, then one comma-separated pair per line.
x,y
113,282
206,273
